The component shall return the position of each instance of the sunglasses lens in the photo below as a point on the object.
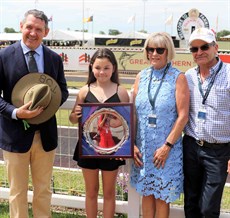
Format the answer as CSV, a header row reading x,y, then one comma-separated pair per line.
x,y
194,49
150,50
204,47
160,50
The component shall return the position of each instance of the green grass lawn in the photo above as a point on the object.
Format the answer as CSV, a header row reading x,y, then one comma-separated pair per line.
x,y
56,212
71,183
64,182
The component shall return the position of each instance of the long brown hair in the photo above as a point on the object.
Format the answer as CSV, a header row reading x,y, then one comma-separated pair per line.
x,y
103,53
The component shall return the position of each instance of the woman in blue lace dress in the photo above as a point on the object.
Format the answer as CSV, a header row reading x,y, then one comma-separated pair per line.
x,y
161,97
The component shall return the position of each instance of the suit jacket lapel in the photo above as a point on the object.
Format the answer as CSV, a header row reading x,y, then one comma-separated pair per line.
x,y
47,61
19,58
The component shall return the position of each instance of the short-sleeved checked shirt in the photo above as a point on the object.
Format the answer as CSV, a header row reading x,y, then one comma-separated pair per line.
x,y
216,128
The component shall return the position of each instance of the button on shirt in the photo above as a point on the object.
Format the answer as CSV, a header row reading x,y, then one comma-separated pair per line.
x,y
216,128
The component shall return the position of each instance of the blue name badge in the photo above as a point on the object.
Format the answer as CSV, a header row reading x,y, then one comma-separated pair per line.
x,y
202,115
152,120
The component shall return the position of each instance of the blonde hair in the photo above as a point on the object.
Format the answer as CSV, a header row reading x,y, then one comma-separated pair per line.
x,y
160,40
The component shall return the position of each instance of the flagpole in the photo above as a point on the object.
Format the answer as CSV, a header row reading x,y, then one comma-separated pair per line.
x,y
217,21
144,15
52,28
165,17
83,40
35,4
92,26
134,24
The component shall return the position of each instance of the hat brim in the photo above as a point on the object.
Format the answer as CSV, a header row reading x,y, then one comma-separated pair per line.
x,y
200,38
29,80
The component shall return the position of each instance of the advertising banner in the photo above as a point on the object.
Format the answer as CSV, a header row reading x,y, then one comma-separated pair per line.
x,y
128,61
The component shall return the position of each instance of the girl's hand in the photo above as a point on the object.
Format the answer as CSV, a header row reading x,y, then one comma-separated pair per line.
x,y
77,111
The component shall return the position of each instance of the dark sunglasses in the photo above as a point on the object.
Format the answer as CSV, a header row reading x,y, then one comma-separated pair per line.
x,y
204,47
158,50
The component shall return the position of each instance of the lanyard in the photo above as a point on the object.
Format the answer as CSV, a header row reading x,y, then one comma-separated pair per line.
x,y
205,96
153,100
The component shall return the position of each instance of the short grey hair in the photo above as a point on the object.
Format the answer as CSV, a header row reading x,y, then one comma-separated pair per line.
x,y
38,14
160,40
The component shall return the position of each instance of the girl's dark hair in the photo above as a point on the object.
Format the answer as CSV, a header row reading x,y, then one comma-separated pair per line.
x,y
103,53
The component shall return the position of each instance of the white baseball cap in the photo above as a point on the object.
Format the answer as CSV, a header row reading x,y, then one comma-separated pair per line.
x,y
203,34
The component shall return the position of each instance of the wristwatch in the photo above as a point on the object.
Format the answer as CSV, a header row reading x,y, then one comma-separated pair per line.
x,y
169,144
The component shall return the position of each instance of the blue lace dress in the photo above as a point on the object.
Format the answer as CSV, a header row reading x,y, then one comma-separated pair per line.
x,y
165,184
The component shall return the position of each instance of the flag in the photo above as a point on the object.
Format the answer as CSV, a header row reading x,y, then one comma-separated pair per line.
x,y
50,19
131,19
169,20
88,19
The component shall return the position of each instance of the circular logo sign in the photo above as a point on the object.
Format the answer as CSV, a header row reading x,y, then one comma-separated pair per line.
x,y
189,22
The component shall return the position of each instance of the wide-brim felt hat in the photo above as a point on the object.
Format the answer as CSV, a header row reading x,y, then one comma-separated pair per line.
x,y
42,90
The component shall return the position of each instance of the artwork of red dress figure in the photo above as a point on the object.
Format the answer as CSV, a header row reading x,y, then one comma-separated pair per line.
x,y
106,138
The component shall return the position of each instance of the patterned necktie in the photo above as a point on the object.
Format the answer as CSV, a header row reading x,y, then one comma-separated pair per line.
x,y
32,65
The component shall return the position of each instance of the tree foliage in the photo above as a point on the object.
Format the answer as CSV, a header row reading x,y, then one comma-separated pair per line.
x,y
142,31
102,32
9,30
114,32
222,33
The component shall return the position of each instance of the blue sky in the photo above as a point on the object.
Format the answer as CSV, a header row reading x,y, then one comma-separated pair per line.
x,y
109,14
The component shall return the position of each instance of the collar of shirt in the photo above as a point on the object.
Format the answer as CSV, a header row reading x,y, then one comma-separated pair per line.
x,y
213,69
38,56
25,49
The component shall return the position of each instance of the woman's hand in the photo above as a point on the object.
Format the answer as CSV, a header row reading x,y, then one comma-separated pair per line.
x,y
137,157
160,156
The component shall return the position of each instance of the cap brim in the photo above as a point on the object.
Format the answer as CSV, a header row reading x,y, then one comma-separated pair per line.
x,y
29,80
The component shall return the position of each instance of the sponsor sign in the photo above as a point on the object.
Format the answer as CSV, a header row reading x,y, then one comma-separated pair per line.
x,y
134,61
190,21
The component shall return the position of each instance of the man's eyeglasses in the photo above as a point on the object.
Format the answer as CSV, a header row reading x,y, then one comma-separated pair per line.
x,y
204,47
158,50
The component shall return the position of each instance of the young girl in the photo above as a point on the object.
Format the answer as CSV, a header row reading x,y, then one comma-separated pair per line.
x,y
102,87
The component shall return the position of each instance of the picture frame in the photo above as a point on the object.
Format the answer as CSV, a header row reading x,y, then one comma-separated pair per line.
x,y
106,130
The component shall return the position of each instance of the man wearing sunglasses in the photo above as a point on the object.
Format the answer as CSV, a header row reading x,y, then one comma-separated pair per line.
x,y
207,134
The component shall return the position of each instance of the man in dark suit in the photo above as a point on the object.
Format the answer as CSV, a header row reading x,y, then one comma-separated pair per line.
x,y
34,147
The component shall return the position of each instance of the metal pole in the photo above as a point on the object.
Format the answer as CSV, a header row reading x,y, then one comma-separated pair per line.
x,y
144,16
83,27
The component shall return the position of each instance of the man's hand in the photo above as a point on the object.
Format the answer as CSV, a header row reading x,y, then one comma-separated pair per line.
x,y
24,113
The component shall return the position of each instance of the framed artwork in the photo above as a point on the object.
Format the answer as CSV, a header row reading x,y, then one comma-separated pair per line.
x,y
106,130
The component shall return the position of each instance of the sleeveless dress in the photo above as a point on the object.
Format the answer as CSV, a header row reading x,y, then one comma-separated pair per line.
x,y
167,183
106,138
98,163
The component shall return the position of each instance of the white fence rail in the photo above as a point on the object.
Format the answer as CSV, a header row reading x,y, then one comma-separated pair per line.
x,y
67,141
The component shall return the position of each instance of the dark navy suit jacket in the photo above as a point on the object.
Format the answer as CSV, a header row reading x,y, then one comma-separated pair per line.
x,y
13,136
